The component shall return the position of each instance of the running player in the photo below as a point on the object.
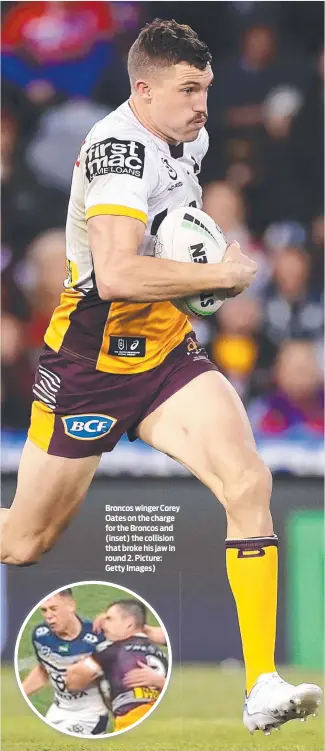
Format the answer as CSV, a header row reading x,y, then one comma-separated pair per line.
x,y
134,667
119,357
61,639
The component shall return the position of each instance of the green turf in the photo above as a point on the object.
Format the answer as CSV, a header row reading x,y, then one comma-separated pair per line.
x,y
90,599
201,711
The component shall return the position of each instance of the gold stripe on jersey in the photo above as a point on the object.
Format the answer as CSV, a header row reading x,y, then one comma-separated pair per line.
x,y
60,320
116,210
163,326
41,425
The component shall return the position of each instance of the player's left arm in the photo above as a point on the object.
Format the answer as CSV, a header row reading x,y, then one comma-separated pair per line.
x,y
82,673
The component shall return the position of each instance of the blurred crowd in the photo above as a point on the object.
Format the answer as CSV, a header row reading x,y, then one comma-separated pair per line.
x,y
64,68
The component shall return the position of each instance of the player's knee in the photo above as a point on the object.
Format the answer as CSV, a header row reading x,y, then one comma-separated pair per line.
x,y
251,488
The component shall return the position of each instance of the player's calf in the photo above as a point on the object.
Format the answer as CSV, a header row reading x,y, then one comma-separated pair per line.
x,y
247,501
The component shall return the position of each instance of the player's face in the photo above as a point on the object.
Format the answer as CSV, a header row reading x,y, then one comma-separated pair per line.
x,y
179,97
57,612
118,625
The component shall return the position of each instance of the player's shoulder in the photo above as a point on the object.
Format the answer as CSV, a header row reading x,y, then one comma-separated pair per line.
x,y
103,645
120,124
41,632
139,642
87,634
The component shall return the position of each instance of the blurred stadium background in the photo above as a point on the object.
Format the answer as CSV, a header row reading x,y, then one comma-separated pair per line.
x,y
63,68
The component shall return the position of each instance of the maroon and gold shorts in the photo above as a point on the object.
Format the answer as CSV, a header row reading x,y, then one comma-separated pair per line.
x,y
78,411
126,720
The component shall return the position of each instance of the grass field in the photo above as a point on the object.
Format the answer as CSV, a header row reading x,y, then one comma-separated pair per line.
x,y
90,599
201,711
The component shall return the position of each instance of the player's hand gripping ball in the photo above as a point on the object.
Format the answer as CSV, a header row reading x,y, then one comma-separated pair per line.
x,y
188,234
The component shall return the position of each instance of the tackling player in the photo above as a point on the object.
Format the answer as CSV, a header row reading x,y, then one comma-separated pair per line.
x,y
133,665
119,357
61,639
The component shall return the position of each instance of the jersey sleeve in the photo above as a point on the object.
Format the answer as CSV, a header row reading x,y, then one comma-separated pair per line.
x,y
103,654
120,175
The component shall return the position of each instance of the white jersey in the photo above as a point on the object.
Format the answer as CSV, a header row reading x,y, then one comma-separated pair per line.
x,y
56,654
122,169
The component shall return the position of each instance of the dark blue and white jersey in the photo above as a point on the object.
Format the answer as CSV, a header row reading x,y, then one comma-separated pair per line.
x,y
56,654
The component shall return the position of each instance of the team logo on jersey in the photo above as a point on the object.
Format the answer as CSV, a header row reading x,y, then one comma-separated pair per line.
x,y
171,171
113,156
88,427
44,651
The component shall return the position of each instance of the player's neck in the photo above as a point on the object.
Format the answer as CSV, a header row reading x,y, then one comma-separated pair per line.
x,y
71,630
141,115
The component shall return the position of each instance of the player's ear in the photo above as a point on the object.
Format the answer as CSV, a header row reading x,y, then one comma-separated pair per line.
x,y
144,90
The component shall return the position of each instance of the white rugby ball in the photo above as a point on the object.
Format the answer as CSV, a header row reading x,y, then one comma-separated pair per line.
x,y
189,234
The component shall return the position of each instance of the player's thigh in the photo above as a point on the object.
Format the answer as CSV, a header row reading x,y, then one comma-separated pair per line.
x,y
49,492
205,427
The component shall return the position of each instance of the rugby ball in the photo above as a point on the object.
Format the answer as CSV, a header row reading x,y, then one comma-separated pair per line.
x,y
189,234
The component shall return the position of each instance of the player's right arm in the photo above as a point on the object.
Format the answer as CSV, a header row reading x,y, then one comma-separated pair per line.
x,y
80,674
123,275
36,679
116,207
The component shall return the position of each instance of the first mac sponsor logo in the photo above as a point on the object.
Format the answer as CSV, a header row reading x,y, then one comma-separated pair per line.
x,y
113,156
88,427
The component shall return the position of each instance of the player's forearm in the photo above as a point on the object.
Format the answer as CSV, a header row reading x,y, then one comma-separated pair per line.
x,y
155,634
75,679
147,279
35,680
80,674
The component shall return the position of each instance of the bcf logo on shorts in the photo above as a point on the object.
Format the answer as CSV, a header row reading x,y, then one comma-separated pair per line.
x,y
88,427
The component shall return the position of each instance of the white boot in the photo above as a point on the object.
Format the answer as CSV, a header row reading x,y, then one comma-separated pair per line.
x,y
272,702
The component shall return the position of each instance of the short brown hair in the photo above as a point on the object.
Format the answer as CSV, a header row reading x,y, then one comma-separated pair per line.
x,y
161,44
67,592
133,608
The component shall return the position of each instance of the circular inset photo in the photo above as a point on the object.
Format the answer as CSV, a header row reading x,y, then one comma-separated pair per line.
x,y
93,659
